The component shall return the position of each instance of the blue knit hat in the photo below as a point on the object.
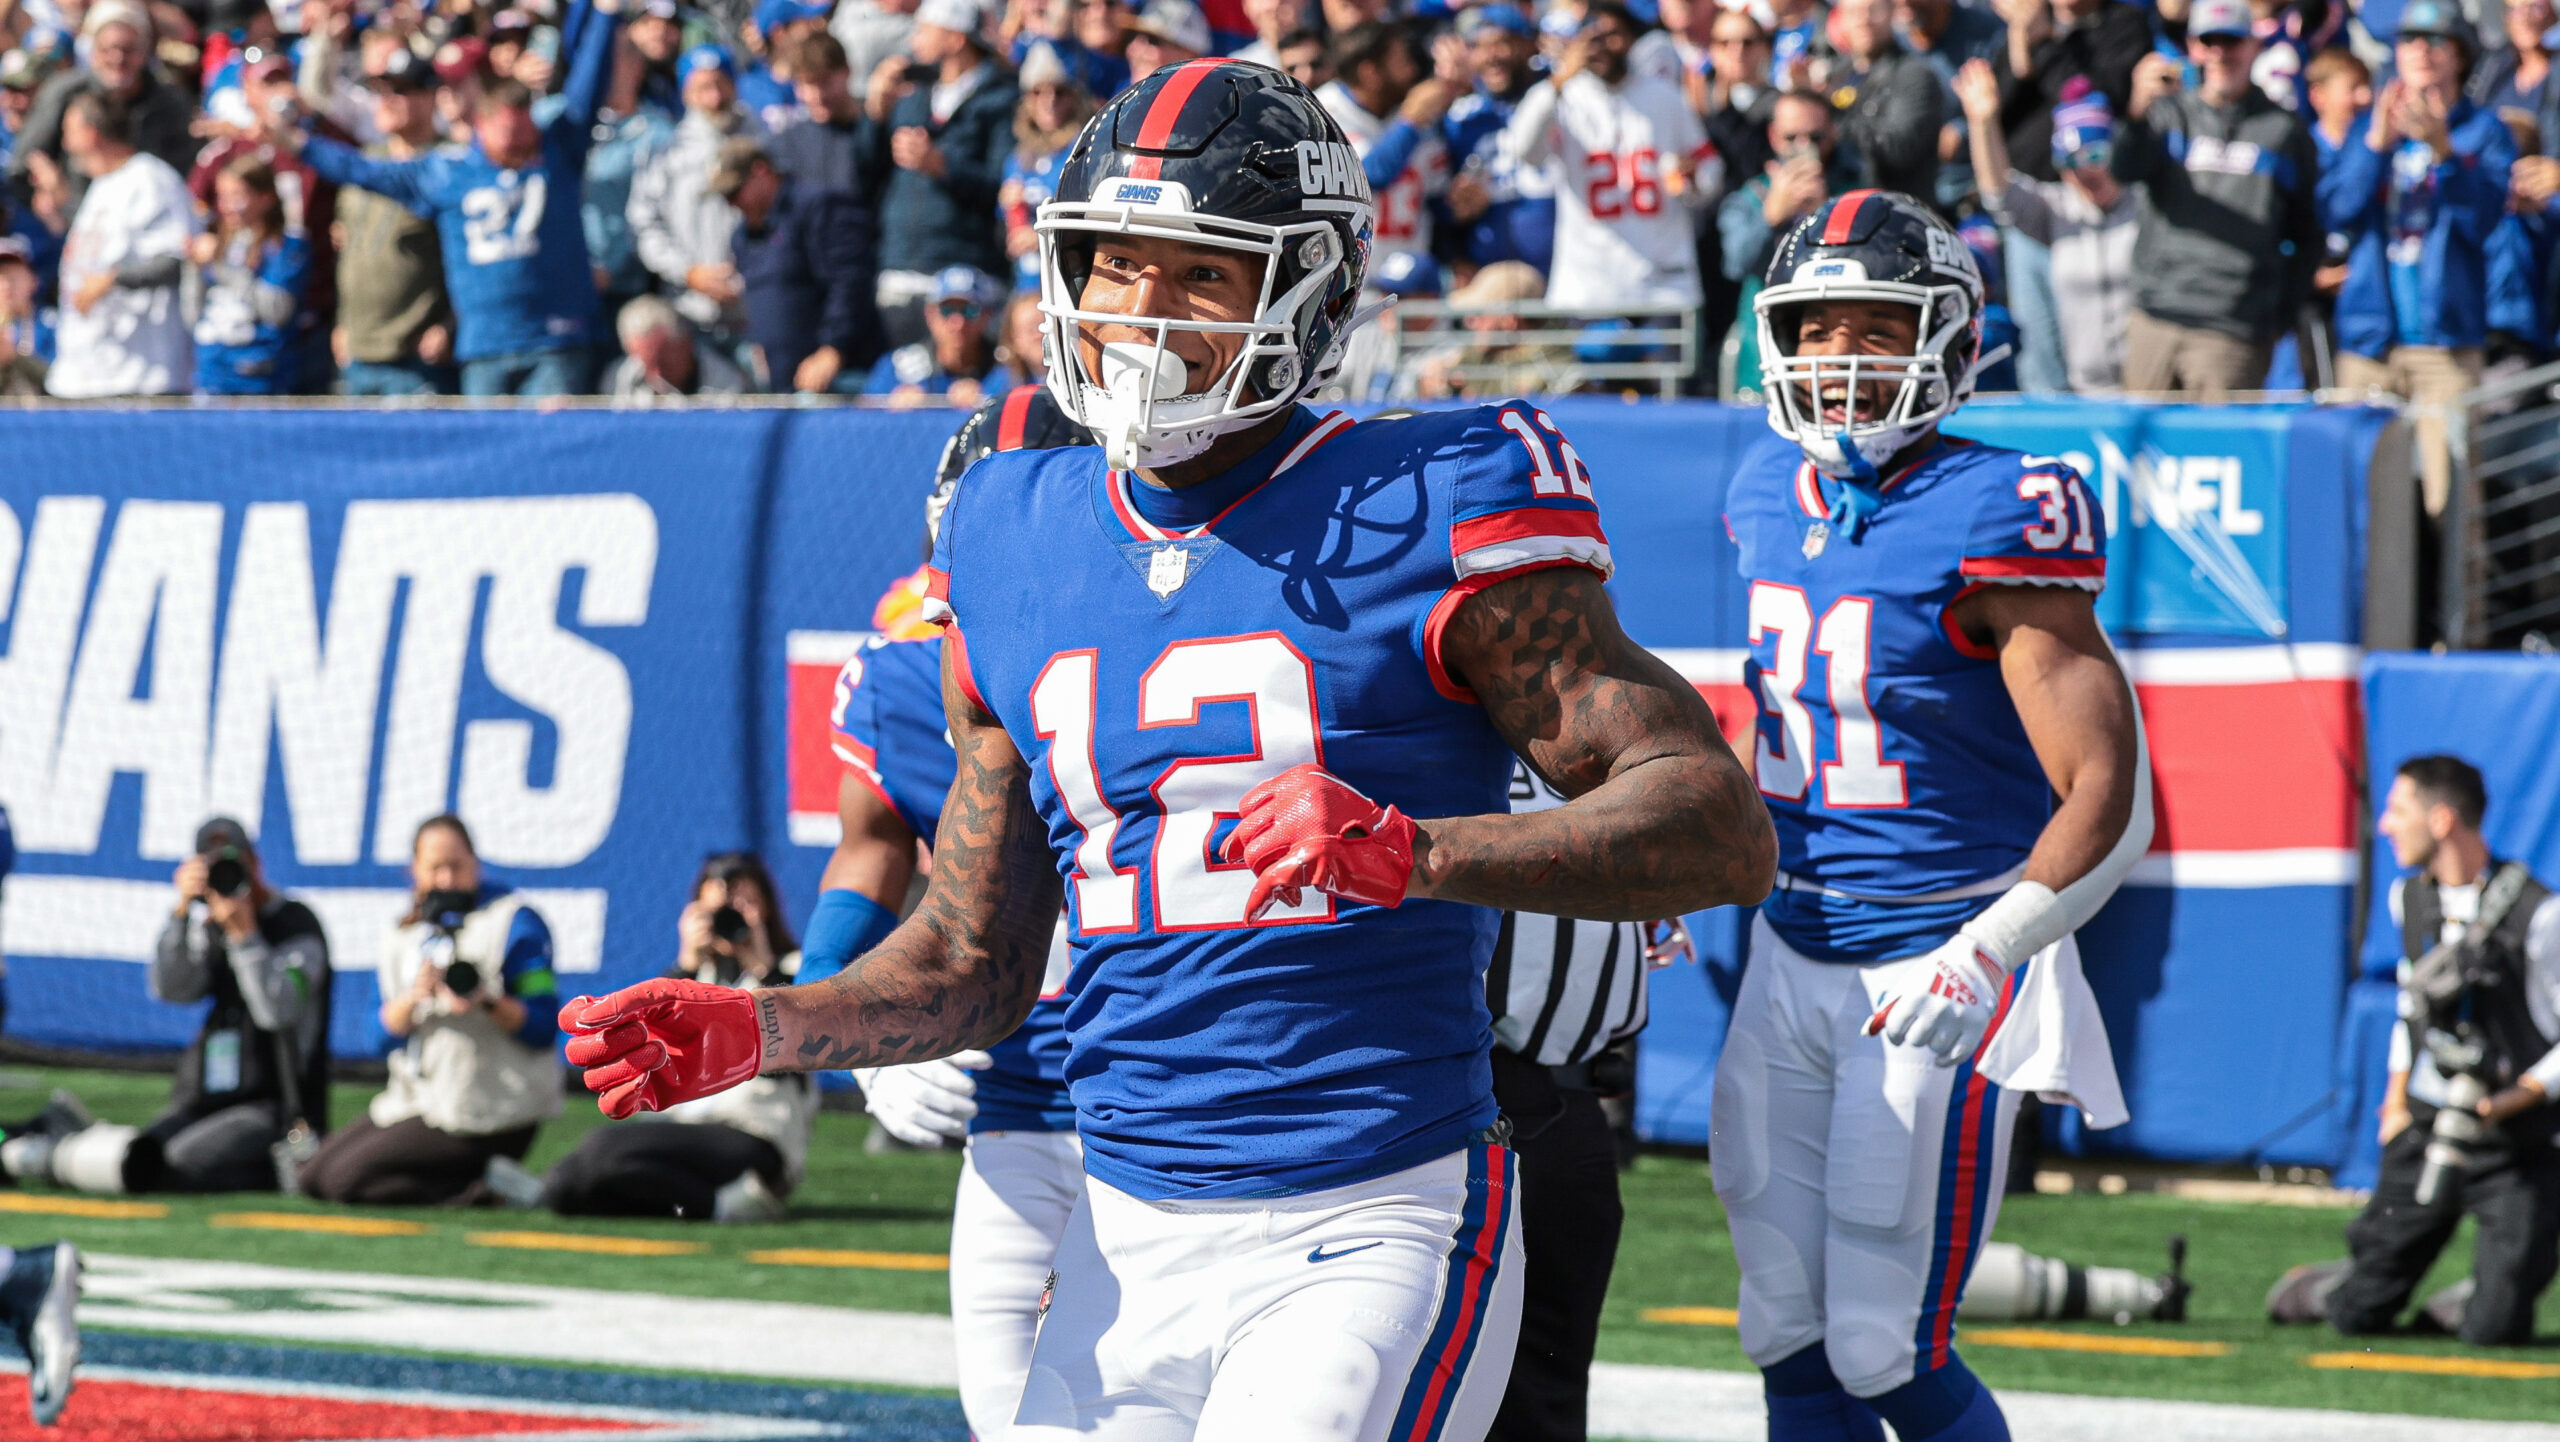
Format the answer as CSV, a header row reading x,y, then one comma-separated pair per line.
x,y
2082,122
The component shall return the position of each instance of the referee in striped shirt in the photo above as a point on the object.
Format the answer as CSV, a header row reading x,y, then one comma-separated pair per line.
x,y
1564,995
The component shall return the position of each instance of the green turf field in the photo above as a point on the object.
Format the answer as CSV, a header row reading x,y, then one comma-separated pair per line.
x,y
1675,1254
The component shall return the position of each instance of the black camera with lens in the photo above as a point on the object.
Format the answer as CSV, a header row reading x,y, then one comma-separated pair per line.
x,y
729,926
226,874
462,978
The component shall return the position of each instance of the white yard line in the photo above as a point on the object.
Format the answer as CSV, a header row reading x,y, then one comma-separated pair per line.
x,y
841,1344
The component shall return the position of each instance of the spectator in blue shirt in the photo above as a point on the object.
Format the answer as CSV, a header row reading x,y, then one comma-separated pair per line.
x,y
1053,109
506,207
26,340
2417,189
767,88
1502,210
956,363
256,268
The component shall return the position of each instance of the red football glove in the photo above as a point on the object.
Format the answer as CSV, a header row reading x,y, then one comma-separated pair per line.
x,y
1305,828
648,1047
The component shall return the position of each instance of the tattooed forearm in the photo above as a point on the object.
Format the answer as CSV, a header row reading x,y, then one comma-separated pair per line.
x,y
964,969
1663,820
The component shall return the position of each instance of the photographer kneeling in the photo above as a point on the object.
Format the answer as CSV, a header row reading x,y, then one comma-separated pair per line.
x,y
731,1157
470,1000
2467,1124
258,1069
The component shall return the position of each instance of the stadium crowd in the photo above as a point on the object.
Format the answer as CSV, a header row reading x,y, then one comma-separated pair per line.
x,y
658,199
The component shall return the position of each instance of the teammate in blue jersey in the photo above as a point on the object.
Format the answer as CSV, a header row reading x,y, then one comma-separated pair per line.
x,y
1023,1169
1248,681
1925,647
506,208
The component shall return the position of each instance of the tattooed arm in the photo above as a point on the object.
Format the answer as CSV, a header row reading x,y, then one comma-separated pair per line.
x,y
962,971
1662,821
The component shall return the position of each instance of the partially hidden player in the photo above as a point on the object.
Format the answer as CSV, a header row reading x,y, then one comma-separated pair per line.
x,y
1023,1169
1249,681
1951,754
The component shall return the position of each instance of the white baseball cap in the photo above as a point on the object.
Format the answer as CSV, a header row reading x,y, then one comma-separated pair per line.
x,y
1176,22
963,16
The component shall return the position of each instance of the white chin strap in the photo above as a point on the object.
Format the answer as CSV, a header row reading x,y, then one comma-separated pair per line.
x,y
1142,388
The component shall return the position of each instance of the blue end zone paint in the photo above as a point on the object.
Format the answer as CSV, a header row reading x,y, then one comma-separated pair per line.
x,y
859,1416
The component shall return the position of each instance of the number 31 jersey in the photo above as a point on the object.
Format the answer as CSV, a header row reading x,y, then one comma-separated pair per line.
x,y
1150,678
1890,755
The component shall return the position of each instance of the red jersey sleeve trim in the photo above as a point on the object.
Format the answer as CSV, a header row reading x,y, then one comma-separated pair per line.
x,y
2060,567
935,608
1501,526
956,646
1955,634
1445,610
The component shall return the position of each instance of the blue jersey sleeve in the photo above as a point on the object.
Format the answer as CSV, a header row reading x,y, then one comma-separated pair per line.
x,y
413,183
889,728
1519,497
2036,523
529,979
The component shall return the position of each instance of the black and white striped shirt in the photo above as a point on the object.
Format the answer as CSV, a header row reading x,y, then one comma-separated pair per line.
x,y
1562,991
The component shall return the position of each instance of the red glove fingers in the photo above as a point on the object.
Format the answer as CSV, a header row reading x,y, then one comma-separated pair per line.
x,y
1304,828
663,1042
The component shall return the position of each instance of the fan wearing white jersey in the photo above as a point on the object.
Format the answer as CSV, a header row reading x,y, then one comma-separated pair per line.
x,y
1632,168
1389,106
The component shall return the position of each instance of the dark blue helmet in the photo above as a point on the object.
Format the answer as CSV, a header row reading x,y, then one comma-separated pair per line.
x,y
1869,245
1212,152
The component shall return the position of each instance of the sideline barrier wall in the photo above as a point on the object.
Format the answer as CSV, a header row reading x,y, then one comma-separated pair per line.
x,y
609,639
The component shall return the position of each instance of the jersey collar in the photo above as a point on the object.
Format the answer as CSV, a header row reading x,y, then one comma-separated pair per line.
x,y
1305,434
1813,488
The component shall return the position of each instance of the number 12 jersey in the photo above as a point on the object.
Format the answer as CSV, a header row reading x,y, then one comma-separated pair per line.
x,y
1150,678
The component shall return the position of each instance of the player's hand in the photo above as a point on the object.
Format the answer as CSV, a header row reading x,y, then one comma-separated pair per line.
x,y
926,1102
648,1047
1304,828
1951,1013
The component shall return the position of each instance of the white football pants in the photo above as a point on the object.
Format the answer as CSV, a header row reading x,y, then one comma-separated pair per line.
x,y
1388,1309
1016,1191
1860,1179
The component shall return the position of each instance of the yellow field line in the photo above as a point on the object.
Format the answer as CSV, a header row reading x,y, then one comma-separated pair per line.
x,y
1695,1316
317,1222
875,1261
2040,1339
580,1242
2432,1366
82,1207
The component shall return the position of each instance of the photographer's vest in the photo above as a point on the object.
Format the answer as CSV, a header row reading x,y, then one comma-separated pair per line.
x,y
2496,1004
461,1072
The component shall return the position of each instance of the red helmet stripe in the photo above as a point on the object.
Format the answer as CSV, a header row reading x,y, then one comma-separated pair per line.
x,y
1015,418
1844,217
1164,111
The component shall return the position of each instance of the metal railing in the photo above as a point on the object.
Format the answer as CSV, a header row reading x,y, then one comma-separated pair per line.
x,y
1544,348
2500,541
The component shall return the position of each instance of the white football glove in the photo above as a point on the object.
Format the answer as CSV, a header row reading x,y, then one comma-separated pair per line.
x,y
1949,1015
925,1102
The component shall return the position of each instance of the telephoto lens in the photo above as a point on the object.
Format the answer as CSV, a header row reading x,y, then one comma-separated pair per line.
x,y
227,876
462,977
2458,1125
729,924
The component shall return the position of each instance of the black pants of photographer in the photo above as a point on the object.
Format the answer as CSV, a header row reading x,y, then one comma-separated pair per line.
x,y
1569,1221
223,1150
657,1169
406,1164
2513,1191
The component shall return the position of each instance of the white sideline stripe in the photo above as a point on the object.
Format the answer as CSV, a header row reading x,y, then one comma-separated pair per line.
x,y
724,1336
2242,665
514,1321
2240,870
816,828
1704,666
822,648
1675,1404
2169,666
112,919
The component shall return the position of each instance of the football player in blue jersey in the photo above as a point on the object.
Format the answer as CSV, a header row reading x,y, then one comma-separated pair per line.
x,y
1952,757
1248,681
1023,1170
